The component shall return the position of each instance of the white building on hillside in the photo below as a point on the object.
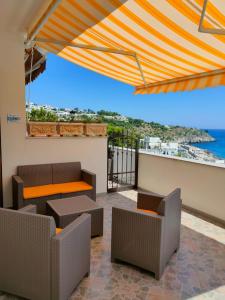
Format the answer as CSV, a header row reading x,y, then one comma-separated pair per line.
x,y
170,148
155,145
150,142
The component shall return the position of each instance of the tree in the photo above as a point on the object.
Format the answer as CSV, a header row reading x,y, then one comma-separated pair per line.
x,y
107,113
42,115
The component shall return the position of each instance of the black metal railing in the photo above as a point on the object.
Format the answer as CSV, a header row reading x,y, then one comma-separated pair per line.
x,y
122,170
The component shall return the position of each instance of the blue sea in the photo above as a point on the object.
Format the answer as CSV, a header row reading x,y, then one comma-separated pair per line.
x,y
217,147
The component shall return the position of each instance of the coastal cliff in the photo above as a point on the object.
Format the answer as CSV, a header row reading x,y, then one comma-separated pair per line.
x,y
196,139
167,133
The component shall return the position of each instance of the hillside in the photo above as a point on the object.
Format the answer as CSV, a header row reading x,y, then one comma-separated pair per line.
x,y
117,122
166,133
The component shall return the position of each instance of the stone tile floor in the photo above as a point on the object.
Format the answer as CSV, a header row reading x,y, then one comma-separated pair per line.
x,y
197,271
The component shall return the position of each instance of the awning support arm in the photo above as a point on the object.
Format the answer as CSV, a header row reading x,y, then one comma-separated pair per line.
x,y
202,29
95,48
140,69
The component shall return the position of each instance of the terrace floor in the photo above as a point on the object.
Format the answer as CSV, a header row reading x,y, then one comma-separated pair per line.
x,y
197,271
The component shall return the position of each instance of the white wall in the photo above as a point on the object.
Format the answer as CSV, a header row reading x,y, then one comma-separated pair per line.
x,y
202,186
19,150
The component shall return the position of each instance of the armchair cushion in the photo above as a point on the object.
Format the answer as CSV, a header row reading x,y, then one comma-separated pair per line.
x,y
149,211
58,230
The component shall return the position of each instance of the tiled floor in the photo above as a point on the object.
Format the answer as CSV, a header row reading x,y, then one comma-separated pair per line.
x,y
197,271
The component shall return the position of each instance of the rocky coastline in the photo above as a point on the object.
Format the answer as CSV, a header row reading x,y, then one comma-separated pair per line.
x,y
195,139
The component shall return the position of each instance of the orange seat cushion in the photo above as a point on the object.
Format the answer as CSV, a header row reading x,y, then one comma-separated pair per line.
x,y
40,191
149,211
58,230
52,189
71,187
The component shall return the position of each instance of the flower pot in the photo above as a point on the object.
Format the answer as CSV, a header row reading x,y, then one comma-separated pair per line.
x,y
42,129
95,129
71,129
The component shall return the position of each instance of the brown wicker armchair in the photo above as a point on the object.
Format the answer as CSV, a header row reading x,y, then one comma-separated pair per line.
x,y
147,239
35,262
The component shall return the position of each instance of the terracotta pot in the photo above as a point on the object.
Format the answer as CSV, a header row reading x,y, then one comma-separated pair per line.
x,y
42,129
71,129
95,129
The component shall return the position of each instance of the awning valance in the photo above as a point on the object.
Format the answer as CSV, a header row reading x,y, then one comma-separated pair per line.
x,y
153,45
188,83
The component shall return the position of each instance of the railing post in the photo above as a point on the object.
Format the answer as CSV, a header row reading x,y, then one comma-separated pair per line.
x,y
136,163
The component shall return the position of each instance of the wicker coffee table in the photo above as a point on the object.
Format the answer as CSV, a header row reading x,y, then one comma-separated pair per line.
x,y
66,210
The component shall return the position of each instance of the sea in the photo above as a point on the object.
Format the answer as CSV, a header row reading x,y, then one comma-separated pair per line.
x,y
218,146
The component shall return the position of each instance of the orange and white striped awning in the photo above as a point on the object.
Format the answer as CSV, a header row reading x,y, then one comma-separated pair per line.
x,y
154,45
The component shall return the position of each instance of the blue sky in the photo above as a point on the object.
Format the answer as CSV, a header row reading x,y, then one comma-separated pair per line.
x,y
64,84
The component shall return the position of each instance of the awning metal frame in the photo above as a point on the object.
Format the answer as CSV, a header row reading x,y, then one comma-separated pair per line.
x,y
95,48
41,22
202,29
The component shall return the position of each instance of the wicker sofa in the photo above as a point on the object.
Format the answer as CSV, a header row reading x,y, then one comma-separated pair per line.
x,y
36,184
149,235
35,262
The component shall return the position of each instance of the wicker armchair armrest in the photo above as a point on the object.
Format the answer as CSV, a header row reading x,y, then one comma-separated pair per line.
x,y
88,177
17,186
70,256
148,201
32,209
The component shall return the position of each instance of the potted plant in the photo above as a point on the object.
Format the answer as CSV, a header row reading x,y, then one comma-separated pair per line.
x,y
36,128
96,128
42,123
74,128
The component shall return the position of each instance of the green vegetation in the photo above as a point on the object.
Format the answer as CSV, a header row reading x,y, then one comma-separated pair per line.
x,y
116,123
42,115
140,128
107,113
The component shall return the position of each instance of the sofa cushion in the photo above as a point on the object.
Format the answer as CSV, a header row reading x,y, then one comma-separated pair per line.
x,y
149,211
71,187
40,191
66,172
35,175
52,189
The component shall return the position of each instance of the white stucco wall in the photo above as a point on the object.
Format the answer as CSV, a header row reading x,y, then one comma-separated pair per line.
x,y
202,185
19,150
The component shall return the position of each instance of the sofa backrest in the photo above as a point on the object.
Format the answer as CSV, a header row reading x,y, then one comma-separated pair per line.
x,y
25,254
66,172
34,175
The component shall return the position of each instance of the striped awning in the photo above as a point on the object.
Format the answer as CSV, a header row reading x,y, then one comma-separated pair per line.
x,y
153,45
